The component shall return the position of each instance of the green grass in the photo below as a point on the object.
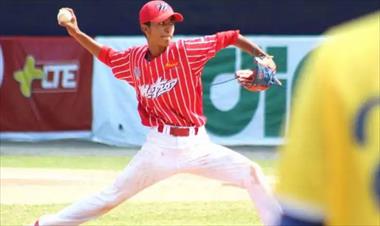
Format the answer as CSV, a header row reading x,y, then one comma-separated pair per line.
x,y
154,213
130,213
68,162
85,162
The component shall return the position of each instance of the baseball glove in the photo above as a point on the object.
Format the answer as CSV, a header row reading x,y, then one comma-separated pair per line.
x,y
261,77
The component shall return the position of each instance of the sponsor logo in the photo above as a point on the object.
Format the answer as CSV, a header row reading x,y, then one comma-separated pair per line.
x,y
158,88
51,77
1,66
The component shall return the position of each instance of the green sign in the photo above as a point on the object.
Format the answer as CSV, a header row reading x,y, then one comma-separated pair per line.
x,y
275,109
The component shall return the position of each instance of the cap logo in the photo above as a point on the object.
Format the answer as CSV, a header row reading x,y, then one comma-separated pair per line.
x,y
162,7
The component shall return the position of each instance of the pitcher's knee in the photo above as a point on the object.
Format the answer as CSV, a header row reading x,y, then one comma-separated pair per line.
x,y
112,198
255,175
109,205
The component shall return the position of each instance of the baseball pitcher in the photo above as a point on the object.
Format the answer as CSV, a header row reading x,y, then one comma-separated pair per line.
x,y
166,76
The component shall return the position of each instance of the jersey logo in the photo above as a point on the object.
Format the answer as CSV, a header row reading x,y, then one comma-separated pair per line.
x,y
158,88
170,65
137,73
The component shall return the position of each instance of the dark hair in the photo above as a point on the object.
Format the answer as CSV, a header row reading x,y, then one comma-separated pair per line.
x,y
147,24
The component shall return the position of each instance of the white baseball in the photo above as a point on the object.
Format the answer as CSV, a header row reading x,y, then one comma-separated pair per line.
x,y
64,16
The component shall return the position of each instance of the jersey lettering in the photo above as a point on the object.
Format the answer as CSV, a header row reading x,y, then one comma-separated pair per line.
x,y
360,137
158,88
361,118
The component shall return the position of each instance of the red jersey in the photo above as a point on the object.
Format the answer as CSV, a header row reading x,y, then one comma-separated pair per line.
x,y
169,87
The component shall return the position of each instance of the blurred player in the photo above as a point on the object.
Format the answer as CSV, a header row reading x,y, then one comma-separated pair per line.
x,y
166,76
330,166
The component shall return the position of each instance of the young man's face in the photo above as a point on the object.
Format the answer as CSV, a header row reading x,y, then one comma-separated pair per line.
x,y
160,33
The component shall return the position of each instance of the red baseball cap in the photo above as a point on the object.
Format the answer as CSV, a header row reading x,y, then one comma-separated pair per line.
x,y
158,11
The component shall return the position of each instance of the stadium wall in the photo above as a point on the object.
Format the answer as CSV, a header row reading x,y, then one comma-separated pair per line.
x,y
120,17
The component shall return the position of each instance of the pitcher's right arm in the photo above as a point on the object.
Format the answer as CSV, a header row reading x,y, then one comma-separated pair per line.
x,y
83,39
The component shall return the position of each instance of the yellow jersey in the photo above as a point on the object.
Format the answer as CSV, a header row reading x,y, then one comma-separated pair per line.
x,y
329,168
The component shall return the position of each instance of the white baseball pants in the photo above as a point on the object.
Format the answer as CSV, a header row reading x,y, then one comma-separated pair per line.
x,y
162,156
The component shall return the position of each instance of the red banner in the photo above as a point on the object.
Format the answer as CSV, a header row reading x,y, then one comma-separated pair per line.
x,y
45,85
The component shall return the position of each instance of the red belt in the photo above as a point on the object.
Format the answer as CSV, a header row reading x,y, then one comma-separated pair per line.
x,y
178,131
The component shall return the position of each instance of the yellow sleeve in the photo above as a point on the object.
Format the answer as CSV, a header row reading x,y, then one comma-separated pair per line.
x,y
302,168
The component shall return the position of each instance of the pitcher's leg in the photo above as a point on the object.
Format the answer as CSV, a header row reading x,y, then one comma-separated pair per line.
x,y
143,171
218,162
85,209
268,207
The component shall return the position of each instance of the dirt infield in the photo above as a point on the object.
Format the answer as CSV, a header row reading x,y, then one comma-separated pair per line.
x,y
50,186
